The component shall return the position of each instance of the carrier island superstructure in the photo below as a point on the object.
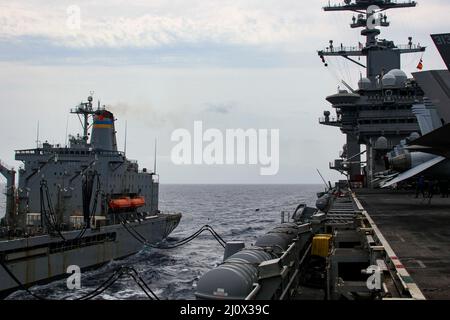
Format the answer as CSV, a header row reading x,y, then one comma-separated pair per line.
x,y
72,202
378,113
360,242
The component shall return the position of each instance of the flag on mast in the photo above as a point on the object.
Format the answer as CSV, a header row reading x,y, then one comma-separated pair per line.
x,y
420,65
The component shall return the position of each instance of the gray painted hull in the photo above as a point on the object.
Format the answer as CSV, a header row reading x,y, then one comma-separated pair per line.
x,y
43,258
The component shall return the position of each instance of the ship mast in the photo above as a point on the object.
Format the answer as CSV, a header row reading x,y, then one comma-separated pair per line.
x,y
84,110
381,55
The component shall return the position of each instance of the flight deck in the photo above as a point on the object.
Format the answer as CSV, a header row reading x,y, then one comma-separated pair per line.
x,y
418,232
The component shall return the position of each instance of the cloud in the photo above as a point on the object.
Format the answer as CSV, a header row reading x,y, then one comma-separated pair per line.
x,y
189,32
221,108
219,22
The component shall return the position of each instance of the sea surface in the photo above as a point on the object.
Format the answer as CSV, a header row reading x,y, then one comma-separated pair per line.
x,y
236,212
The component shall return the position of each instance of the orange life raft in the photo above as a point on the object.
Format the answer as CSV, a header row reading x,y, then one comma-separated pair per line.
x,y
127,203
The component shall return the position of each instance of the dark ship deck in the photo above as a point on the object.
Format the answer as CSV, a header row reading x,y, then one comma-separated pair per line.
x,y
418,232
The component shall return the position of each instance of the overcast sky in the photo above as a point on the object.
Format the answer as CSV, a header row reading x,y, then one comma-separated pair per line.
x,y
162,64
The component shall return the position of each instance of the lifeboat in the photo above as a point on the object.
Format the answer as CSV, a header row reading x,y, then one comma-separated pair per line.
x,y
120,203
127,203
137,202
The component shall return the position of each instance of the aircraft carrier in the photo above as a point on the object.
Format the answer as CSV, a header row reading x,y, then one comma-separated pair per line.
x,y
83,204
381,233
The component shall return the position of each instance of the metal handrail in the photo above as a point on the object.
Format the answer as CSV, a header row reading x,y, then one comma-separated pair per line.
x,y
330,119
254,292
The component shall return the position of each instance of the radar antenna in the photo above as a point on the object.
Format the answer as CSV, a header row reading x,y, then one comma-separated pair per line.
x,y
84,110
378,53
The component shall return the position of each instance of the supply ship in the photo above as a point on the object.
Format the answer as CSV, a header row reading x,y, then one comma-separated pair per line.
x,y
82,204
370,236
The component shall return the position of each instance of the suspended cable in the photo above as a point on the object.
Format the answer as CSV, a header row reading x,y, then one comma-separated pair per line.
x,y
50,215
142,284
104,286
113,278
17,281
118,274
94,207
139,237
333,72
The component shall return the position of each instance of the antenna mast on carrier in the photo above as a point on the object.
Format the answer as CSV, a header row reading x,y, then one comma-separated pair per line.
x,y
382,55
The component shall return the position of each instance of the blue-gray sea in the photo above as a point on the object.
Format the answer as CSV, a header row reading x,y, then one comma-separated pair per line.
x,y
173,273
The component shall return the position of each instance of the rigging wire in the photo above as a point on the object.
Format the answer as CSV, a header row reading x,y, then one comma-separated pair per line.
x,y
346,69
139,237
142,284
117,275
339,69
349,71
50,215
333,72
94,207
130,271
20,284
342,68
113,278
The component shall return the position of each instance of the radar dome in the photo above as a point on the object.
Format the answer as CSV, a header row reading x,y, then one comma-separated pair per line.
x,y
381,143
389,80
400,77
364,83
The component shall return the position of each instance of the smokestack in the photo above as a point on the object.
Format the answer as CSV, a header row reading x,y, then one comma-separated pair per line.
x,y
103,131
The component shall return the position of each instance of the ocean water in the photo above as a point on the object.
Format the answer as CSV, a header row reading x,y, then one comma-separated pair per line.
x,y
173,273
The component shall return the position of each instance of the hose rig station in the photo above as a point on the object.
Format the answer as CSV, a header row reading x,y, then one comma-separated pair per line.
x,y
331,252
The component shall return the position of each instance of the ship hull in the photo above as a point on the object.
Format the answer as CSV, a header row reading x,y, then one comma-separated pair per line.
x,y
45,258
